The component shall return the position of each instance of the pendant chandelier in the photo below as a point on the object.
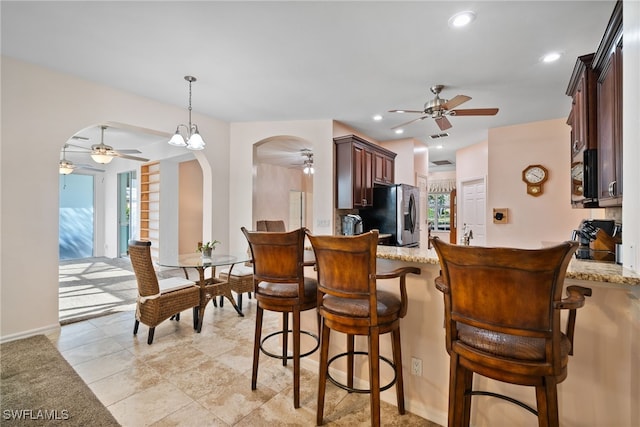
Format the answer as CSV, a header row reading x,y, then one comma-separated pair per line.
x,y
192,139
307,165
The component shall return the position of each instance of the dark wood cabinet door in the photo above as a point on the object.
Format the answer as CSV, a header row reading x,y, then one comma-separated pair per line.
x,y
610,132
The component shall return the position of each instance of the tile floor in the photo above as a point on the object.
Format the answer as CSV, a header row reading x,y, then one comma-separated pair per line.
x,y
204,379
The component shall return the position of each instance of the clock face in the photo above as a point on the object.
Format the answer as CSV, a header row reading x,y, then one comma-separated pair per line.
x,y
535,174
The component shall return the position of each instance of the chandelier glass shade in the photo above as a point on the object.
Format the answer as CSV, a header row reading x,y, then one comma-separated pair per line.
x,y
101,158
192,139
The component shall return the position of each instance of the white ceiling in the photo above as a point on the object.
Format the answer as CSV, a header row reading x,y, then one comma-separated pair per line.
x,y
304,60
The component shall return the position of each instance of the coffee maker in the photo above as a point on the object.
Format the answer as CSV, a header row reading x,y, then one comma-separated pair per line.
x,y
352,225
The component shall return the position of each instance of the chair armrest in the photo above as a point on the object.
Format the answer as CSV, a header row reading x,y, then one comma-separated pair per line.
x,y
441,285
575,299
402,274
398,272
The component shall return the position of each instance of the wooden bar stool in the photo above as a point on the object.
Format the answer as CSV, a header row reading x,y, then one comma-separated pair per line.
x,y
278,271
349,302
502,318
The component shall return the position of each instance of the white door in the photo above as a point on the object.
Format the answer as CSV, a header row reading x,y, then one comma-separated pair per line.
x,y
473,212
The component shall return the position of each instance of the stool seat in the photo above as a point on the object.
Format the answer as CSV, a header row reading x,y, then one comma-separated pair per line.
x,y
511,346
389,304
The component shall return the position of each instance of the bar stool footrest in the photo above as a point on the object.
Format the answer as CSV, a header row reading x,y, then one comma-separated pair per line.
x,y
289,357
503,397
360,390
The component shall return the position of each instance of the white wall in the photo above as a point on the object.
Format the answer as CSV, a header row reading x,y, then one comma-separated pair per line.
x,y
41,110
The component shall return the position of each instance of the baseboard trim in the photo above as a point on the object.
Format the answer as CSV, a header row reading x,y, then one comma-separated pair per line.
x,y
26,334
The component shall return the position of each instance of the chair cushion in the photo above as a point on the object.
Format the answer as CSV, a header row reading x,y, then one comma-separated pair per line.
x,y
388,304
289,290
238,270
173,284
511,346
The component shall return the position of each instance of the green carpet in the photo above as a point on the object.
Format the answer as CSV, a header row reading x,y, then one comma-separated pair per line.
x,y
38,387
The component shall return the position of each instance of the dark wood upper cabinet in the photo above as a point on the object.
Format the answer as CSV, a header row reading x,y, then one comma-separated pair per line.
x,y
608,66
359,165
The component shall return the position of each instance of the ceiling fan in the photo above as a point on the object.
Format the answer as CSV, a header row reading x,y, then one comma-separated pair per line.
x,y
67,166
102,153
439,109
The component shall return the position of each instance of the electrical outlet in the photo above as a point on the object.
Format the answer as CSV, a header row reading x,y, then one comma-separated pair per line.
x,y
416,366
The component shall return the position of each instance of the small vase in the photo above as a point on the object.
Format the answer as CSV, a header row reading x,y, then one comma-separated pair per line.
x,y
206,253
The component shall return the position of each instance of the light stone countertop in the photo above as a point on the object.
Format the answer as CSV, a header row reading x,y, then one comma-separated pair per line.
x,y
594,271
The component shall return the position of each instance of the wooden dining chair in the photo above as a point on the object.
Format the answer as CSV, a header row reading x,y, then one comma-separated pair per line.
x,y
502,318
281,286
159,300
349,302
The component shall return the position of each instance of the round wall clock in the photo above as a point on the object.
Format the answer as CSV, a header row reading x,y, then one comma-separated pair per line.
x,y
535,176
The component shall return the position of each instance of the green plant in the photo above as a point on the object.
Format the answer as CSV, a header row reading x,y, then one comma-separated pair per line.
x,y
208,246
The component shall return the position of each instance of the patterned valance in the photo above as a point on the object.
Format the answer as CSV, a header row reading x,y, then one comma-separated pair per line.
x,y
441,185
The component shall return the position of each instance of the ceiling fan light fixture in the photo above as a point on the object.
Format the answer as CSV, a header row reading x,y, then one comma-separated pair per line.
x,y
101,158
66,167
193,139
462,19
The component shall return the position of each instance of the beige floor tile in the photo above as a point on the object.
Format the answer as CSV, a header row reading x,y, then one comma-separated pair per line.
x,y
125,383
150,405
90,351
102,367
191,415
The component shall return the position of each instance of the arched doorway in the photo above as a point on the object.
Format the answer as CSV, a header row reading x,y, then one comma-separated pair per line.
x,y
283,181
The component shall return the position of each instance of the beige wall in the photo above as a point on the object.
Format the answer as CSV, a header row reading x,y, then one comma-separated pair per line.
x,y
189,206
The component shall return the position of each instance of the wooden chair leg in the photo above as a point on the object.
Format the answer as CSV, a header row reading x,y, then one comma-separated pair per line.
x,y
547,400
374,375
350,350
256,347
296,358
322,374
135,327
460,383
150,336
397,361
285,338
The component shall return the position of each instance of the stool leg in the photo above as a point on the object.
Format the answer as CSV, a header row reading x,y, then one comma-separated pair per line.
x,y
296,357
285,338
322,374
460,383
374,375
256,347
547,400
350,350
397,361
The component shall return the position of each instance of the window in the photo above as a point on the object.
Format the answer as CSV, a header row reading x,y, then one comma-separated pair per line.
x,y
439,213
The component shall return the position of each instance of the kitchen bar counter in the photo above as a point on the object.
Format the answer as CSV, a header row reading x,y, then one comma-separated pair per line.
x,y
595,271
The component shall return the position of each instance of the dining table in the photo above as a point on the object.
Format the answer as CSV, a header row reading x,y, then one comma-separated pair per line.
x,y
212,286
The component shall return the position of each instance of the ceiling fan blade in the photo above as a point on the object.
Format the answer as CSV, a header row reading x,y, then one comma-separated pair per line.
x,y
78,146
409,122
407,111
126,156
129,151
475,112
443,123
88,167
455,101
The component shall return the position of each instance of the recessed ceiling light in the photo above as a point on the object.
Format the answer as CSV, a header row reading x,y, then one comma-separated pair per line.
x,y
551,57
399,131
439,147
462,19
377,117
419,149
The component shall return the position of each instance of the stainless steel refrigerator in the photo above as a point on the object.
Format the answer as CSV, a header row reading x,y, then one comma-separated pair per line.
x,y
395,212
